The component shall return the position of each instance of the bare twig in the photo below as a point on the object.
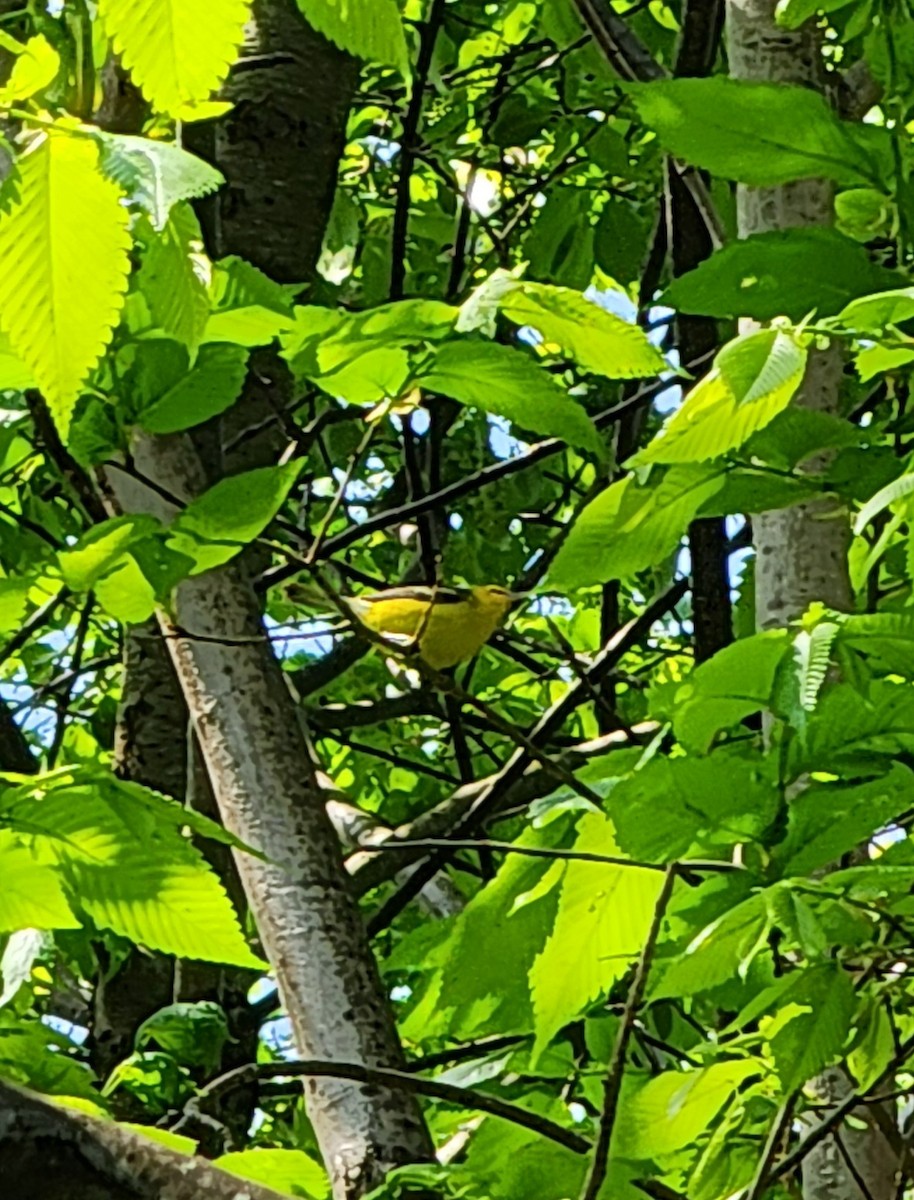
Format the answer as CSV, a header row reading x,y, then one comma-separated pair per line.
x,y
609,860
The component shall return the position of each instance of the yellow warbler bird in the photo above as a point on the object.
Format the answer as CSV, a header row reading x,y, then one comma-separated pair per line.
x,y
449,624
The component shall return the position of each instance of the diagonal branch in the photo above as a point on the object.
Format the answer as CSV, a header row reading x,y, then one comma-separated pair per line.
x,y
435,1089
492,796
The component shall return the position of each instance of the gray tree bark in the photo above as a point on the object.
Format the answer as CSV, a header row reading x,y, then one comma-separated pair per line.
x,y
279,148
259,766
48,1153
801,552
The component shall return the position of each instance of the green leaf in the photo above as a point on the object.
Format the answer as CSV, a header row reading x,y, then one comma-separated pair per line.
x,y
64,262
479,977
595,339
35,1056
14,602
289,1171
676,808
878,360
125,593
101,549
508,383
629,528
875,314
211,386
827,820
874,1046
674,1109
721,951
154,175
785,272
369,29
248,308
15,376
178,51
792,14
514,1163
893,493
193,1034
231,514
812,651
364,357
604,914
887,638
622,240
810,1022
134,873
761,134
174,278
34,69
737,682
753,379
32,896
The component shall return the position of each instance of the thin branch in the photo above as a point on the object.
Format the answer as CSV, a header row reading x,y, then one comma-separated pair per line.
x,y
434,1089
631,59
612,1086
370,869
492,796
828,1124
37,621
466,1052
408,144
609,860
32,526
340,496
66,692
70,470
759,1185
467,486
852,1169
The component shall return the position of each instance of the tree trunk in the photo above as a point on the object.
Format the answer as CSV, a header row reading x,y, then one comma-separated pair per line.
x,y
801,552
696,339
279,149
259,766
48,1152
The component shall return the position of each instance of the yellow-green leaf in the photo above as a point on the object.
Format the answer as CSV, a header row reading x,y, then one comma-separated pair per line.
x,y
64,263
753,379
290,1171
36,67
603,918
32,896
178,51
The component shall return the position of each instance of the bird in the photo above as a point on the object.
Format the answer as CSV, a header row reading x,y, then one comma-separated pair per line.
x,y
446,625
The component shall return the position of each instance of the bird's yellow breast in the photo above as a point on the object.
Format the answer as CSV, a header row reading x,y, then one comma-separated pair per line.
x,y
449,630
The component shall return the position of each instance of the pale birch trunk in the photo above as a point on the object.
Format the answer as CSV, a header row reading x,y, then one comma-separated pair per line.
x,y
801,552
309,922
279,148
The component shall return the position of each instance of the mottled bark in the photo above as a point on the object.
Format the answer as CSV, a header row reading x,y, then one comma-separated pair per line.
x,y
52,1153
279,149
309,922
801,552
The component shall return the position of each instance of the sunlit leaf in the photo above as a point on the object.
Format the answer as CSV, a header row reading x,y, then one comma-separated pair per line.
x,y
63,265
178,51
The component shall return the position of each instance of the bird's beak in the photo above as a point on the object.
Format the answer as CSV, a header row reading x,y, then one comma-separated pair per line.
x,y
515,596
